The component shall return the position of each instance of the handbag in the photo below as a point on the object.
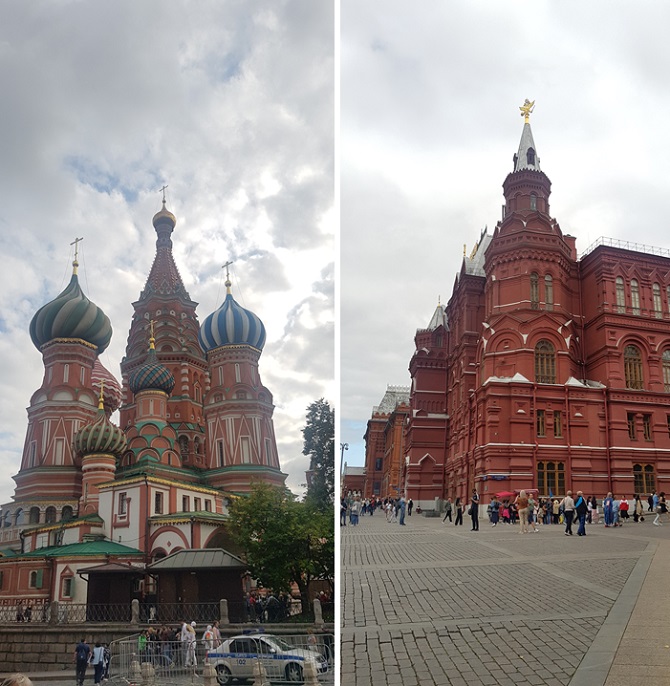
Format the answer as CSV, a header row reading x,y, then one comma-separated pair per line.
x,y
470,511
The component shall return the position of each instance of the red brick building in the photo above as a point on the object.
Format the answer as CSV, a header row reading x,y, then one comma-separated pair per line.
x,y
385,444
545,370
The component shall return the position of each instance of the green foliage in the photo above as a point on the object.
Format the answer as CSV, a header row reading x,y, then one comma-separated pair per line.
x,y
283,540
319,444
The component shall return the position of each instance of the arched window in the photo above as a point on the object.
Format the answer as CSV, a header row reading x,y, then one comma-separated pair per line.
x,y
50,515
66,514
620,295
645,478
658,305
534,291
666,371
632,367
551,478
635,296
533,201
530,156
34,517
549,292
183,446
545,363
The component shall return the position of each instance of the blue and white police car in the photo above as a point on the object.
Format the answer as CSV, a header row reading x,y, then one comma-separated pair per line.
x,y
234,659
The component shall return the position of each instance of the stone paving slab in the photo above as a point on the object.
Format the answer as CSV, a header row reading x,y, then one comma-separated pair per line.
x,y
431,604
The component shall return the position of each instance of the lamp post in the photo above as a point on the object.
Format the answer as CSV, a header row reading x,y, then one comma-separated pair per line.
x,y
343,447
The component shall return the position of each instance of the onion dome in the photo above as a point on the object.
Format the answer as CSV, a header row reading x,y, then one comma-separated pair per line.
x,y
100,436
103,379
164,222
231,324
152,375
71,315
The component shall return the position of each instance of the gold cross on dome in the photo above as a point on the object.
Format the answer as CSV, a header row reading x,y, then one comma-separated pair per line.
x,y
75,262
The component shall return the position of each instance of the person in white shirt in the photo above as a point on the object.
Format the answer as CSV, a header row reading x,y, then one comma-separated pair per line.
x,y
568,505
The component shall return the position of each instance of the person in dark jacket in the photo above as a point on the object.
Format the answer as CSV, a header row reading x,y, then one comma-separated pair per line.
x,y
581,509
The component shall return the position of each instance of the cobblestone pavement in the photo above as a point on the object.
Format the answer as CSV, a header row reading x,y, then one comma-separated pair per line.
x,y
430,604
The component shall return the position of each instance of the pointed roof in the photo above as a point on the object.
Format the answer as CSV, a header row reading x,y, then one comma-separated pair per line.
x,y
164,277
439,318
527,157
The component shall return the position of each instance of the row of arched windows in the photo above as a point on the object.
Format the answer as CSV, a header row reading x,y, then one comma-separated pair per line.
x,y
545,366
634,297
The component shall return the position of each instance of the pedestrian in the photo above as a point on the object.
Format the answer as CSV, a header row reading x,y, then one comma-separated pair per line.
x,y
402,511
521,503
608,506
568,512
82,654
343,512
615,512
447,510
459,512
217,633
98,662
495,511
28,613
505,513
19,611
410,505
474,510
355,511
581,509
555,511
661,508
208,639
650,503
532,514
191,659
16,679
638,509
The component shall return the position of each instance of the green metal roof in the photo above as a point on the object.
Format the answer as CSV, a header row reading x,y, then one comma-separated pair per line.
x,y
84,549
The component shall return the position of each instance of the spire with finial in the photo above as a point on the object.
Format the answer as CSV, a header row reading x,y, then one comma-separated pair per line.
x,y
228,283
526,157
75,262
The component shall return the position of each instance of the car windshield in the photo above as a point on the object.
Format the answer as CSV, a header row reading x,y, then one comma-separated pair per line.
x,y
278,643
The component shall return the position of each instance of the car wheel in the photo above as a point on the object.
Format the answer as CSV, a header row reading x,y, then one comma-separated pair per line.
x,y
294,673
223,675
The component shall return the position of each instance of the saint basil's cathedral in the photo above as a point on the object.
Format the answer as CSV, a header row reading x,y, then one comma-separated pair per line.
x,y
103,503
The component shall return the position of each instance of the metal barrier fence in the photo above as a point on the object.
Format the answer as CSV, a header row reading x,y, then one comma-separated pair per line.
x,y
283,659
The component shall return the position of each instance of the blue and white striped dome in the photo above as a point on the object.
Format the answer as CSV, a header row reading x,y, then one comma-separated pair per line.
x,y
231,324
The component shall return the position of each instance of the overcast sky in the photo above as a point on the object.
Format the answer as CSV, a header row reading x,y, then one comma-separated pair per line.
x,y
429,125
230,103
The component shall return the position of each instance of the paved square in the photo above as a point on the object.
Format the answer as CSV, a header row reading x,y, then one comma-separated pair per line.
x,y
431,604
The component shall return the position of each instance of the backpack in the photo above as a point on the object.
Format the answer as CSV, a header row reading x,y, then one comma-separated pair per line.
x,y
82,653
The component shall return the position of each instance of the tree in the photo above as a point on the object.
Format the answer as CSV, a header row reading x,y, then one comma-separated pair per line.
x,y
283,540
319,444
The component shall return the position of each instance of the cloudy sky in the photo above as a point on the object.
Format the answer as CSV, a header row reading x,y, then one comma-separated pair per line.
x,y
230,103
429,125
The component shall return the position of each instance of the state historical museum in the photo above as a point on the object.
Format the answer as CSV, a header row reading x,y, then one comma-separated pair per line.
x,y
545,370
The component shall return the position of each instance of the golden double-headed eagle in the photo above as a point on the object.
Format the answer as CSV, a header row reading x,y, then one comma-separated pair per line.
x,y
526,109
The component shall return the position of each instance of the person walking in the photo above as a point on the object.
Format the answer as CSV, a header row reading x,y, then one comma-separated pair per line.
x,y
495,511
402,511
581,509
447,510
661,508
568,512
410,505
459,512
82,653
608,505
638,509
474,510
98,662
521,503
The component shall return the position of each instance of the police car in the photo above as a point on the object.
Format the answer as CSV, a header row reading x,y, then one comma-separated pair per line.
x,y
234,659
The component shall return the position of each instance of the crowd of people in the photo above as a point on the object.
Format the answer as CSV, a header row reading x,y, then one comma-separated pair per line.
x,y
522,507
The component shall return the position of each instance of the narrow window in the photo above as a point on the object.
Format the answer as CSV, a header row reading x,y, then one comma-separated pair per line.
x,y
245,450
533,201
635,296
196,505
534,291
59,450
208,505
666,370
631,425
158,503
658,305
558,425
549,292
540,423
123,504
620,295
185,504
66,373
219,450
632,362
378,464
67,587
238,378
268,452
646,425
530,156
